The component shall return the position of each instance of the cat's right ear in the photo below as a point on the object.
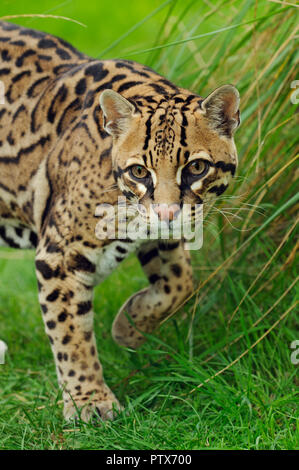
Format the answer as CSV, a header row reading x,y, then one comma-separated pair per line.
x,y
118,112
221,108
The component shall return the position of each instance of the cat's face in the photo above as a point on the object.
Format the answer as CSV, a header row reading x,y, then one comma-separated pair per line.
x,y
182,152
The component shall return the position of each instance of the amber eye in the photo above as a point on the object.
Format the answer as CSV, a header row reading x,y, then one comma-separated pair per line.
x,y
138,171
198,167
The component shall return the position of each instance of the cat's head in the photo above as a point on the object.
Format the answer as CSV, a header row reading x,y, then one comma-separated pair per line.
x,y
177,150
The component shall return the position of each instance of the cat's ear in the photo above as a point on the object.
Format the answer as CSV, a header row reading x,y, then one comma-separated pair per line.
x,y
221,108
117,111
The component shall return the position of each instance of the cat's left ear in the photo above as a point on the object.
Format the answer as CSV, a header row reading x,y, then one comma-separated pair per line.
x,y
221,108
118,112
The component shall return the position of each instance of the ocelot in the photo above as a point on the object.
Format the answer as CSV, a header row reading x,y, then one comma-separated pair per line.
x,y
76,133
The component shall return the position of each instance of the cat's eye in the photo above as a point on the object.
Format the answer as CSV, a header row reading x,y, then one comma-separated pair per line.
x,y
198,167
138,171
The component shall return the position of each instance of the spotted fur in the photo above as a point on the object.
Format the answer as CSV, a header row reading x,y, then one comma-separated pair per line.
x,y
71,129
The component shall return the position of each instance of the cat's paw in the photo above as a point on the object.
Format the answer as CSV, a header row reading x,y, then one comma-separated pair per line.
x,y
91,410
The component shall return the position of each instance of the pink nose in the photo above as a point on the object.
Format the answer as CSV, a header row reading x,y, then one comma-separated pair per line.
x,y
167,212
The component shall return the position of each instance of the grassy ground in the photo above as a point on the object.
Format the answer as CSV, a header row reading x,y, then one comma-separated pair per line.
x,y
220,374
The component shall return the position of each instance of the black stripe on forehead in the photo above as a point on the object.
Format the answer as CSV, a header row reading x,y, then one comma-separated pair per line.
x,y
151,158
148,126
183,131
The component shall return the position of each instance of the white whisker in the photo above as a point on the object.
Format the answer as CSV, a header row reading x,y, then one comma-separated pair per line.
x,y
227,219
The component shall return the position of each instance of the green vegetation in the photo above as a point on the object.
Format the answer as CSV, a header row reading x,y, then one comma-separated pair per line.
x,y
220,374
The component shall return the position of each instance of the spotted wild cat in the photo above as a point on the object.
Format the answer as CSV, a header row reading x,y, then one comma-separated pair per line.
x,y
75,133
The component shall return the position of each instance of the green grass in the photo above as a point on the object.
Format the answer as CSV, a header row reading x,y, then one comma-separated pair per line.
x,y
219,374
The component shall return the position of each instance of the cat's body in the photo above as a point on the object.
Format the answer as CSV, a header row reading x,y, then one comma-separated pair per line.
x,y
66,146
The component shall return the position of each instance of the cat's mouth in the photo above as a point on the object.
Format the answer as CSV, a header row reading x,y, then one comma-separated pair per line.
x,y
138,222
187,221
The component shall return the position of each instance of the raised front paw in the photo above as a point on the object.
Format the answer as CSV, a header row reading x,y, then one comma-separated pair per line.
x,y
145,310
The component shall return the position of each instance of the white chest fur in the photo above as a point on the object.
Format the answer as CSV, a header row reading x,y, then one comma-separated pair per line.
x,y
112,255
106,259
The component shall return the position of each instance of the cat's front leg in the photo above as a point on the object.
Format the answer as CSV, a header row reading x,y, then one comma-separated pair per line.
x,y
66,304
167,266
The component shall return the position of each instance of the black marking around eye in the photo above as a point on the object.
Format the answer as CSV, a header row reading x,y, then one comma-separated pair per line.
x,y
147,183
118,172
226,167
178,155
150,188
218,189
187,178
184,189
186,156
